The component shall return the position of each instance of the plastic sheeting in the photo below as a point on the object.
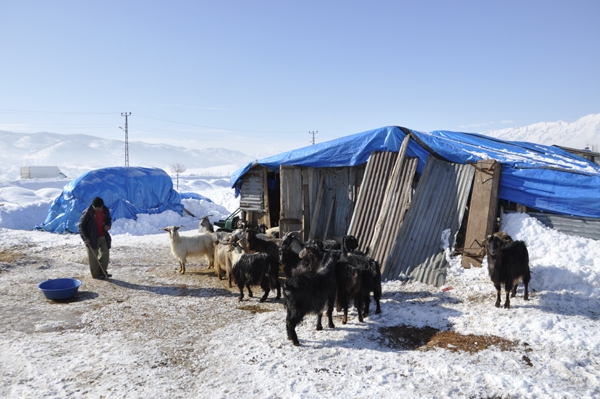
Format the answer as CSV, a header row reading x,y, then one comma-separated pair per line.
x,y
126,191
543,177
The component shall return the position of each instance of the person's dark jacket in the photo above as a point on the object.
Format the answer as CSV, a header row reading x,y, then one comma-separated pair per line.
x,y
87,226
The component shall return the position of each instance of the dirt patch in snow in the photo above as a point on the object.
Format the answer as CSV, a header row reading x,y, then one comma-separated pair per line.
x,y
425,338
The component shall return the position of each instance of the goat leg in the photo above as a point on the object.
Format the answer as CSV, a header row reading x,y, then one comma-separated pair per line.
x,y
291,332
249,291
278,287
514,290
526,296
367,305
498,295
507,302
377,298
508,288
330,315
266,294
359,306
319,325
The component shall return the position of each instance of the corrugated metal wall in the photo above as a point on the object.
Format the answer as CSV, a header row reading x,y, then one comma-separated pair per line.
x,y
370,198
383,200
437,208
396,199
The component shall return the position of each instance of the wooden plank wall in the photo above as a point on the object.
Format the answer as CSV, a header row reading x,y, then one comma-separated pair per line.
x,y
291,216
332,199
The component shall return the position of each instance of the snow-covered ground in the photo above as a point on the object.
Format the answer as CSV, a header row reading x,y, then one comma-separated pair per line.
x,y
150,332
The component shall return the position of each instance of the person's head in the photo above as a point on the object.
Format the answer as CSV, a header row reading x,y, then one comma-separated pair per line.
x,y
98,203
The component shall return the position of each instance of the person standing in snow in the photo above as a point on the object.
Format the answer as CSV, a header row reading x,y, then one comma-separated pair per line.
x,y
94,224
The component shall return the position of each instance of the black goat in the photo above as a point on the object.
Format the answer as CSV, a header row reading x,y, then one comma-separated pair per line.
x,y
289,250
257,269
310,292
289,253
348,277
350,245
331,244
370,270
256,244
504,236
507,264
371,278
349,287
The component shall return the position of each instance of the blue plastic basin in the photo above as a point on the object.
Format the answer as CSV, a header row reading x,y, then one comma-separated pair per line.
x,y
60,288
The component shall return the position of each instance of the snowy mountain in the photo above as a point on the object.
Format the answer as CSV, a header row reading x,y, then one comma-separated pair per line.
x,y
76,154
581,134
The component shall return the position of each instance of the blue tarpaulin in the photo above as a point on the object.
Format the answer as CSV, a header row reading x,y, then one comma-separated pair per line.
x,y
126,191
194,196
543,177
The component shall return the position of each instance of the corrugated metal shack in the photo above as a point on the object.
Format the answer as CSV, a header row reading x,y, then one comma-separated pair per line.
x,y
407,199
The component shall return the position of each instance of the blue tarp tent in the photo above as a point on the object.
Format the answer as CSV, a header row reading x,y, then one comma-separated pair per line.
x,y
126,191
543,177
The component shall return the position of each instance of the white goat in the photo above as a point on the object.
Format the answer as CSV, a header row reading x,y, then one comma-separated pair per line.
x,y
196,245
227,253
273,232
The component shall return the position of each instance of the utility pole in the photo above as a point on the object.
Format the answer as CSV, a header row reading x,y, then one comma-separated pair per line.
x,y
126,114
313,134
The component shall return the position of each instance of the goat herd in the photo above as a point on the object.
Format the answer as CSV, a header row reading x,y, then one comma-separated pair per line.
x,y
319,274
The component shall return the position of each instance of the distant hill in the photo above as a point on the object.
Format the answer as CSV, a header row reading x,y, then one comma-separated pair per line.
x,y
581,134
76,154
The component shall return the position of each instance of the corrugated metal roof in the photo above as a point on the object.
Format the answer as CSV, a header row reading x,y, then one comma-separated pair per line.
x,y
436,210
570,225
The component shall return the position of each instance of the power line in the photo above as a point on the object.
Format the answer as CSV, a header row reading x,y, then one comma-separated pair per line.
x,y
213,127
55,112
313,134
75,113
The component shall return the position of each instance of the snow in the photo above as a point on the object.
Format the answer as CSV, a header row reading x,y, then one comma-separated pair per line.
x,y
179,336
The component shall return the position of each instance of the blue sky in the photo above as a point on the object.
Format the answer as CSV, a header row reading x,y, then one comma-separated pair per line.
x,y
260,75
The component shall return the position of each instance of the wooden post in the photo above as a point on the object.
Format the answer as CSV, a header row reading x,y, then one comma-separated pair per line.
x,y
315,215
482,211
331,207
